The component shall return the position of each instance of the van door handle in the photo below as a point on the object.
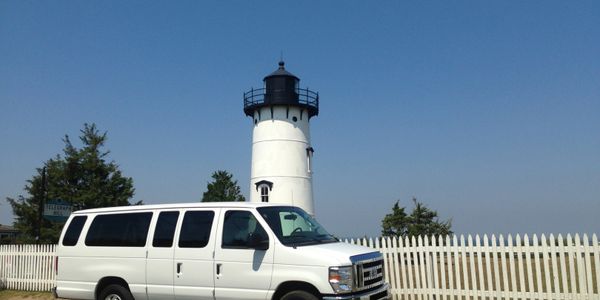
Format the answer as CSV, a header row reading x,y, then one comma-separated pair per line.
x,y
219,269
179,268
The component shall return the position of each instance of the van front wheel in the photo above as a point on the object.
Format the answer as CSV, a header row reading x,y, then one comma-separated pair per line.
x,y
115,292
299,295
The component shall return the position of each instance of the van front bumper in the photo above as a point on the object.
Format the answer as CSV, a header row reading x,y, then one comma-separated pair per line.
x,y
382,292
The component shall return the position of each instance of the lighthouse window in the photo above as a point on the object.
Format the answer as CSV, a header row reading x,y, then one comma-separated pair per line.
x,y
264,193
309,154
294,119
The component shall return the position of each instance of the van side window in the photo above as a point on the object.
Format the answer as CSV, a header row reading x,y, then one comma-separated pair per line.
x,y
238,227
74,230
195,230
119,230
165,229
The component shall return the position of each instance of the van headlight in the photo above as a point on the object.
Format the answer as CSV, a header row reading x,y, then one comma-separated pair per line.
x,y
341,279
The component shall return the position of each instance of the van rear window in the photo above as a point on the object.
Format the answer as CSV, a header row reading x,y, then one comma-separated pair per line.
x,y
73,231
119,230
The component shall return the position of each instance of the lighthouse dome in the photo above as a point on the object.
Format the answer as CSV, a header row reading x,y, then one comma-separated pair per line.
x,y
281,71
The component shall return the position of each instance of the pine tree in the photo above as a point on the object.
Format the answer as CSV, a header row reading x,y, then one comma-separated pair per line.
x,y
421,221
222,189
396,223
81,176
424,221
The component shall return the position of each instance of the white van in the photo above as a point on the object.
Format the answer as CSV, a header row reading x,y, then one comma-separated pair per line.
x,y
211,251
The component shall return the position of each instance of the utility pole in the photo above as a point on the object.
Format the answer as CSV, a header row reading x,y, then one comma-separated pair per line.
x,y
41,206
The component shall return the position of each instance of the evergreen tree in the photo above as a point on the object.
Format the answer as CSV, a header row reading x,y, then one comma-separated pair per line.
x,y
222,189
81,176
396,223
421,221
424,221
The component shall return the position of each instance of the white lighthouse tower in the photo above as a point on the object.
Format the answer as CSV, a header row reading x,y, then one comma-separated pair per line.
x,y
281,150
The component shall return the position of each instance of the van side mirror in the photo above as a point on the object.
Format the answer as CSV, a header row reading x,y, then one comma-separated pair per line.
x,y
258,241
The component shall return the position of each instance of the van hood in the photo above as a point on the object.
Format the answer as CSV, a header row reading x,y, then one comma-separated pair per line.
x,y
330,254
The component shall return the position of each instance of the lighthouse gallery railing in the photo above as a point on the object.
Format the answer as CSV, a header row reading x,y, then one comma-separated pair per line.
x,y
306,97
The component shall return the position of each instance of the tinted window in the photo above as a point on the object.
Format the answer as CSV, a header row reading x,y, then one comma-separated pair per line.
x,y
119,230
238,227
195,230
165,229
74,230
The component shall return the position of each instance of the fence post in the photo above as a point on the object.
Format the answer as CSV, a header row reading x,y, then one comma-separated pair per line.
x,y
2,267
563,264
422,268
571,253
580,267
538,273
431,263
450,267
442,262
512,267
588,265
480,275
499,264
596,250
554,258
528,265
488,265
545,259
472,270
403,258
414,266
457,264
520,263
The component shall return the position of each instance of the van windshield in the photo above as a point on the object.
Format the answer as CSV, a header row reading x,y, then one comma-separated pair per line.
x,y
295,227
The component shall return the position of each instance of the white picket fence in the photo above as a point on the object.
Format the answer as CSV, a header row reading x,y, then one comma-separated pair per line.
x,y
27,267
420,268
520,268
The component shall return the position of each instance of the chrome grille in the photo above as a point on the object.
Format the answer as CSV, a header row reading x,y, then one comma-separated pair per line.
x,y
369,273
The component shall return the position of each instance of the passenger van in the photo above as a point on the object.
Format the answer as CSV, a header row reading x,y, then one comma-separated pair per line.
x,y
211,251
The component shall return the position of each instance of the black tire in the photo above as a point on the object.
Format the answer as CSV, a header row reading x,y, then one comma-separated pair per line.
x,y
115,292
299,295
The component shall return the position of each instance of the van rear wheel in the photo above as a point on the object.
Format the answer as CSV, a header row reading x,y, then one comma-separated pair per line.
x,y
115,292
299,295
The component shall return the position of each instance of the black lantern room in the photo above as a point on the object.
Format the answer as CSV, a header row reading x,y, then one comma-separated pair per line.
x,y
281,88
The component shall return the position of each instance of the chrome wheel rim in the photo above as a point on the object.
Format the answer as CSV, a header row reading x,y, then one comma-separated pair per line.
x,y
112,297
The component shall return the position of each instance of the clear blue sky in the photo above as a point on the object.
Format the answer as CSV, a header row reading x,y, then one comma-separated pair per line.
x,y
488,111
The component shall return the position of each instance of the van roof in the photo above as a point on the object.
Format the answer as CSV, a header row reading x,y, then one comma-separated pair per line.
x,y
177,206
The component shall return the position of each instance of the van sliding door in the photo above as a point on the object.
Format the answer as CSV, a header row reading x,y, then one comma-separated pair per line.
x,y
193,260
159,278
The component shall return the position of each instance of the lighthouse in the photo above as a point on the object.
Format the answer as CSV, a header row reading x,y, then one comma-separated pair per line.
x,y
281,170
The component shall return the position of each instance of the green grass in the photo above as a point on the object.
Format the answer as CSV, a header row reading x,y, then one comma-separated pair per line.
x,y
19,295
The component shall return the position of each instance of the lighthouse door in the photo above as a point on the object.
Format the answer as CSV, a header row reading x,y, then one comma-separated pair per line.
x,y
243,257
